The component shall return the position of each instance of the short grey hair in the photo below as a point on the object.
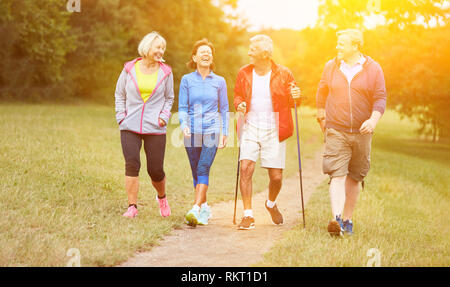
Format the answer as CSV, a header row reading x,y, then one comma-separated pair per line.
x,y
146,43
355,35
266,42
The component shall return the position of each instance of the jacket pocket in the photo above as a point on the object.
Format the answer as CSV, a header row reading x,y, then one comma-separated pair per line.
x,y
151,119
285,123
333,143
124,114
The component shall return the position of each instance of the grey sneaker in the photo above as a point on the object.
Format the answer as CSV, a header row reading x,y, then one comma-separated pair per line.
x,y
247,223
204,216
277,218
348,227
191,218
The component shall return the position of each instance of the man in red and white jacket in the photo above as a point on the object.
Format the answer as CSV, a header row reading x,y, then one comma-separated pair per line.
x,y
264,91
351,98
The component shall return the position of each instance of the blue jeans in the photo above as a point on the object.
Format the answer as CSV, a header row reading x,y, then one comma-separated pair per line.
x,y
201,150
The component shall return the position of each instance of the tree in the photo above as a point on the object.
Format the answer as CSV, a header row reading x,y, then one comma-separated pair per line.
x,y
342,14
36,40
52,53
411,45
416,64
188,22
106,35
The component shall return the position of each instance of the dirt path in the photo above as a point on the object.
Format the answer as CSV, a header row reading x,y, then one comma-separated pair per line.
x,y
220,243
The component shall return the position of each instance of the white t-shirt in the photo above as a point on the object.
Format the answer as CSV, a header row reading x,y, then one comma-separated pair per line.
x,y
261,113
350,72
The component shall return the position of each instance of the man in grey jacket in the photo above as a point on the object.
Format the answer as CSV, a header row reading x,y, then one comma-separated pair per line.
x,y
351,98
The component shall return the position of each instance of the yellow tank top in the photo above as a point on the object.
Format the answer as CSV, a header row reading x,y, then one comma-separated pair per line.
x,y
146,82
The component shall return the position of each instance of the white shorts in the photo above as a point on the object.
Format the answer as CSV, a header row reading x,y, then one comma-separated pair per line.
x,y
263,143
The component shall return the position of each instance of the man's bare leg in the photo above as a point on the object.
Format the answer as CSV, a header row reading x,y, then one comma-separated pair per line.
x,y
337,195
351,196
276,179
245,182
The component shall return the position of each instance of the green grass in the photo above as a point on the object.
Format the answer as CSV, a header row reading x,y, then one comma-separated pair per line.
x,y
62,185
402,212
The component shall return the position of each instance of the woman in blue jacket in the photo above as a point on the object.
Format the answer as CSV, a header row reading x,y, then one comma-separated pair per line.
x,y
203,112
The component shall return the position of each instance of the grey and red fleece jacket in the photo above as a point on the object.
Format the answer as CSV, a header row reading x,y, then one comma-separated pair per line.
x,y
348,105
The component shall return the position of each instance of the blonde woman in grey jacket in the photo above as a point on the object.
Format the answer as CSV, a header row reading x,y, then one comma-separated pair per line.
x,y
144,97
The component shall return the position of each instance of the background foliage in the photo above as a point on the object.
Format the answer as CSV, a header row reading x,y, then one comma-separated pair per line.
x,y
49,54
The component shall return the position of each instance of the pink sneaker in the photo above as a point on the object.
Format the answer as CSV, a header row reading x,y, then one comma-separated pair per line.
x,y
131,212
164,208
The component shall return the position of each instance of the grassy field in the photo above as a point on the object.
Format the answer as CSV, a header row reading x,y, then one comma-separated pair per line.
x,y
62,185
402,212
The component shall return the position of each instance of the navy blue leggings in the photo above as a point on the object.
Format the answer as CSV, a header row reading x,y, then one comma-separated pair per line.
x,y
154,146
201,150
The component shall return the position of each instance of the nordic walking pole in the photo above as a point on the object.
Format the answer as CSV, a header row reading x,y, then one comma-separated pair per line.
x,y
237,187
238,131
299,160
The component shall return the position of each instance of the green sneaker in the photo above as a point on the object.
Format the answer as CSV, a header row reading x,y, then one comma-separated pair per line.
x,y
191,218
205,214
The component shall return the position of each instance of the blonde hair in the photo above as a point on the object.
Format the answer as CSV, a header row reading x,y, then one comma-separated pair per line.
x,y
146,43
355,35
266,42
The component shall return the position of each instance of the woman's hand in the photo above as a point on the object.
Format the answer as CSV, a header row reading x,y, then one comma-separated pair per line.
x,y
187,132
223,142
161,122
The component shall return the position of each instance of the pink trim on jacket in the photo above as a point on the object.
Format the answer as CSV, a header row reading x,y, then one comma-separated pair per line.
x,y
166,69
150,134
128,66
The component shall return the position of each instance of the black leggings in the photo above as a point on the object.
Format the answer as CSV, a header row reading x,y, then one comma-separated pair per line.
x,y
154,146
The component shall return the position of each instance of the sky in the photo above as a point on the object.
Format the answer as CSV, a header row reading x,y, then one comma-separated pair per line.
x,y
276,14
293,14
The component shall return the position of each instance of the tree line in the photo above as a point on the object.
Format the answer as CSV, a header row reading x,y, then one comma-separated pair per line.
x,y
50,54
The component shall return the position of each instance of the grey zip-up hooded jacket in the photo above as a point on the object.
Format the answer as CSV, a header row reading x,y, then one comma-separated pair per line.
x,y
132,113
